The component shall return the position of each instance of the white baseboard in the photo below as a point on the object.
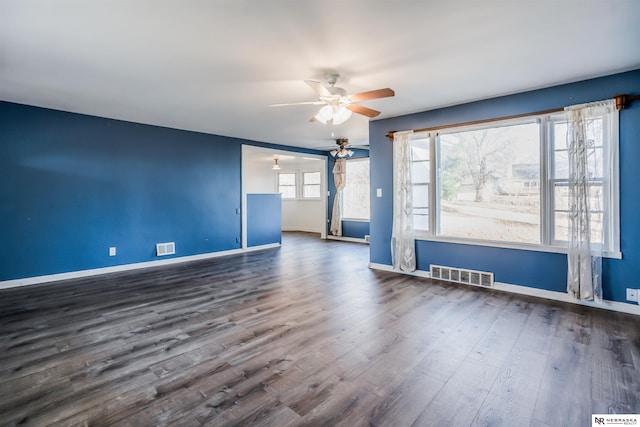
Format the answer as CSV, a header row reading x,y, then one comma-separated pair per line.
x,y
347,239
6,284
302,229
526,290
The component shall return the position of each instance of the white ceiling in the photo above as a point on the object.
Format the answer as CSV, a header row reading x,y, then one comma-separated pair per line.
x,y
215,66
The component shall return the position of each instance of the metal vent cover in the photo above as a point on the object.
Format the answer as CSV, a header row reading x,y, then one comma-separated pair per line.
x,y
462,275
168,248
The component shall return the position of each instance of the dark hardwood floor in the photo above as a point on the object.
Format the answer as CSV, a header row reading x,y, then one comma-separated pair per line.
x,y
305,335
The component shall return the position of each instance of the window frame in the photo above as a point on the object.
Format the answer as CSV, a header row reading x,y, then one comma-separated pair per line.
x,y
547,212
295,185
304,185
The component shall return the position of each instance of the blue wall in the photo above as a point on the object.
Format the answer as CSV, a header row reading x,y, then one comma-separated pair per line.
x,y
73,185
264,219
527,268
356,229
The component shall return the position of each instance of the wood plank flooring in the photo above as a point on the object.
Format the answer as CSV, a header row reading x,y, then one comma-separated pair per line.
x,y
305,335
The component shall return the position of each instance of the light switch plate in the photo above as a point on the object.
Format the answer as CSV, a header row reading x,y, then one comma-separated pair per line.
x,y
378,192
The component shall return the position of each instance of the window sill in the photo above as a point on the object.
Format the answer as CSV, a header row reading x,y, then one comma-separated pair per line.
x,y
355,220
507,245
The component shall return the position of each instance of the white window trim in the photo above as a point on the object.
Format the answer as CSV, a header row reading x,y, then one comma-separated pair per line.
x,y
546,204
302,197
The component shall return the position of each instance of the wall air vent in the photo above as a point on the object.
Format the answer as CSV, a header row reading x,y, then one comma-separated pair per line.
x,y
168,248
461,275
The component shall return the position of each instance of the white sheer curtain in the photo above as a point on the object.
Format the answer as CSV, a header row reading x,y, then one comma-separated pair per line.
x,y
340,180
403,252
587,124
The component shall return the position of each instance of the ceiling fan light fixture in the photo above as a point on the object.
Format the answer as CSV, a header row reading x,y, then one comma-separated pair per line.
x,y
325,114
334,152
341,115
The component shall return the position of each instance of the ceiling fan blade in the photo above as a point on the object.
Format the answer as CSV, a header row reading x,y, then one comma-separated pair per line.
x,y
318,88
358,147
372,94
363,110
298,103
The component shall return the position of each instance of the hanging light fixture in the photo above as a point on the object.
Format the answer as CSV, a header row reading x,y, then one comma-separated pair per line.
x,y
276,166
342,150
341,115
338,114
325,114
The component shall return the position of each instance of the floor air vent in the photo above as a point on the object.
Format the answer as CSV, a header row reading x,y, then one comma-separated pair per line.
x,y
165,248
461,275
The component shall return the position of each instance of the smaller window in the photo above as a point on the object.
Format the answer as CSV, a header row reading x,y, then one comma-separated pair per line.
x,y
311,185
287,185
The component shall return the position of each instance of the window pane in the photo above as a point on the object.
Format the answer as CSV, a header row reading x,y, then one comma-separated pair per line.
x,y
560,135
287,185
287,179
355,196
561,164
561,196
311,191
490,183
288,192
562,208
420,196
420,149
595,152
420,219
562,225
561,229
420,172
311,178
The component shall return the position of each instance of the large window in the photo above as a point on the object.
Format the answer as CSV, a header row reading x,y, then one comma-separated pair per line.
x,y
490,183
506,183
355,196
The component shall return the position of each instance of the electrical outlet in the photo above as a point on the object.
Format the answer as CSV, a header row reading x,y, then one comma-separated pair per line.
x,y
112,251
632,294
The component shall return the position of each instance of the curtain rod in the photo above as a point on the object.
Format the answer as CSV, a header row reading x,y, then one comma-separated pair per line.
x,y
621,102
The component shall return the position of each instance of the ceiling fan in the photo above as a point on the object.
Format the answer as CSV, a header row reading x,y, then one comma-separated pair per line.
x,y
337,105
344,148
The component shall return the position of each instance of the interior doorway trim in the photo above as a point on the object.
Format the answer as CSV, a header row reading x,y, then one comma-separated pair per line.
x,y
272,152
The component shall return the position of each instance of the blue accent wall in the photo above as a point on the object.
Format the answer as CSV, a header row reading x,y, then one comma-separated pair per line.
x,y
264,219
528,268
73,185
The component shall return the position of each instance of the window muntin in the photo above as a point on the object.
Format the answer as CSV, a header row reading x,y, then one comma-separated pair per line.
x,y
355,195
542,183
287,185
311,185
